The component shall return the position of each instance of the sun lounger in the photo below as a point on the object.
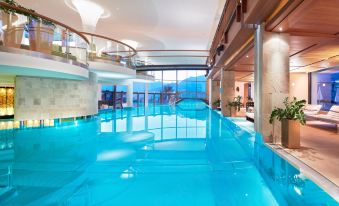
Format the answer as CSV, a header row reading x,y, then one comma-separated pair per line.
x,y
331,117
311,109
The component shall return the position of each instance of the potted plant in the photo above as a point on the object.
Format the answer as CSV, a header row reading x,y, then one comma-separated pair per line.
x,y
291,117
216,104
235,105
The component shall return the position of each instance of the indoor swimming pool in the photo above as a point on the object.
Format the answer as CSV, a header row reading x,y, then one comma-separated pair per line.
x,y
162,155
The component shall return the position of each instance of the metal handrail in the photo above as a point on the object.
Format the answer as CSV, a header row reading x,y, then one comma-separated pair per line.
x,y
20,9
113,40
51,26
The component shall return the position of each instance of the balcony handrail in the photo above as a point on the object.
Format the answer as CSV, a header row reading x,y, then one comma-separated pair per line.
x,y
113,40
26,11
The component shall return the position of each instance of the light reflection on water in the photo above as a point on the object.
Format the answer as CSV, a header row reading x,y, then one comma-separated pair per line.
x,y
164,155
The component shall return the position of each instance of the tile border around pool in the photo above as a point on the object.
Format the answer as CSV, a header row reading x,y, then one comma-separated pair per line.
x,y
327,185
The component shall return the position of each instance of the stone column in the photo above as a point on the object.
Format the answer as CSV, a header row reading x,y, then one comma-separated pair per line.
x,y
146,94
129,94
271,80
227,90
214,91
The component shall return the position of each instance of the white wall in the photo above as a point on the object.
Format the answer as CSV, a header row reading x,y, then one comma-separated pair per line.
x,y
299,85
241,91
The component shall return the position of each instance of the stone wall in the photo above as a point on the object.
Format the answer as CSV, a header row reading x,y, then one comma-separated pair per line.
x,y
227,91
275,81
214,93
48,98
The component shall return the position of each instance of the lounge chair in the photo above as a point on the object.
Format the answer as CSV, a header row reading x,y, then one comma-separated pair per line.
x,y
331,117
311,109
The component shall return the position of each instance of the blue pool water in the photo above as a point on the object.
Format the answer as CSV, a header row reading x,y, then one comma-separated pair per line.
x,y
163,155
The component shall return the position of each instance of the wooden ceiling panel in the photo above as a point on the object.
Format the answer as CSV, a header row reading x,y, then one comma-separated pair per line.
x,y
248,58
243,67
318,16
323,52
244,76
299,42
315,54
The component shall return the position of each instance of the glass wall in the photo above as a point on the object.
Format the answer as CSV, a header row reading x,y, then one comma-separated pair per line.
x,y
138,94
183,83
327,93
112,96
169,86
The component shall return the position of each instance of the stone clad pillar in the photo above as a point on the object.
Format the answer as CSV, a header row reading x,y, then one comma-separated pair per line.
x,y
227,90
129,94
271,79
214,91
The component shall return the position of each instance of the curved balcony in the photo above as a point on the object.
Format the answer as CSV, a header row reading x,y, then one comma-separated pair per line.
x,y
26,33
109,50
110,58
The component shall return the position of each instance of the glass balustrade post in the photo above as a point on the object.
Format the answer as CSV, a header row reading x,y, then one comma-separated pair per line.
x,y
91,49
67,43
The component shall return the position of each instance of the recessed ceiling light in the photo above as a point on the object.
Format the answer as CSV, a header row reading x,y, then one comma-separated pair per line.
x,y
246,56
280,28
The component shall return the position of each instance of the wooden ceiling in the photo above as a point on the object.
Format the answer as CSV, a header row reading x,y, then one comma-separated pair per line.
x,y
313,26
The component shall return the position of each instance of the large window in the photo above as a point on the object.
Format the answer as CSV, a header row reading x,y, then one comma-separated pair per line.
x,y
184,83
169,85
138,94
327,89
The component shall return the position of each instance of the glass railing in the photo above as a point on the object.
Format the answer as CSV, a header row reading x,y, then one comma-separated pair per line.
x,y
107,49
27,30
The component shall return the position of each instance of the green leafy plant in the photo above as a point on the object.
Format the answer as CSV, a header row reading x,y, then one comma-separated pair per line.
x,y
292,111
236,103
216,103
